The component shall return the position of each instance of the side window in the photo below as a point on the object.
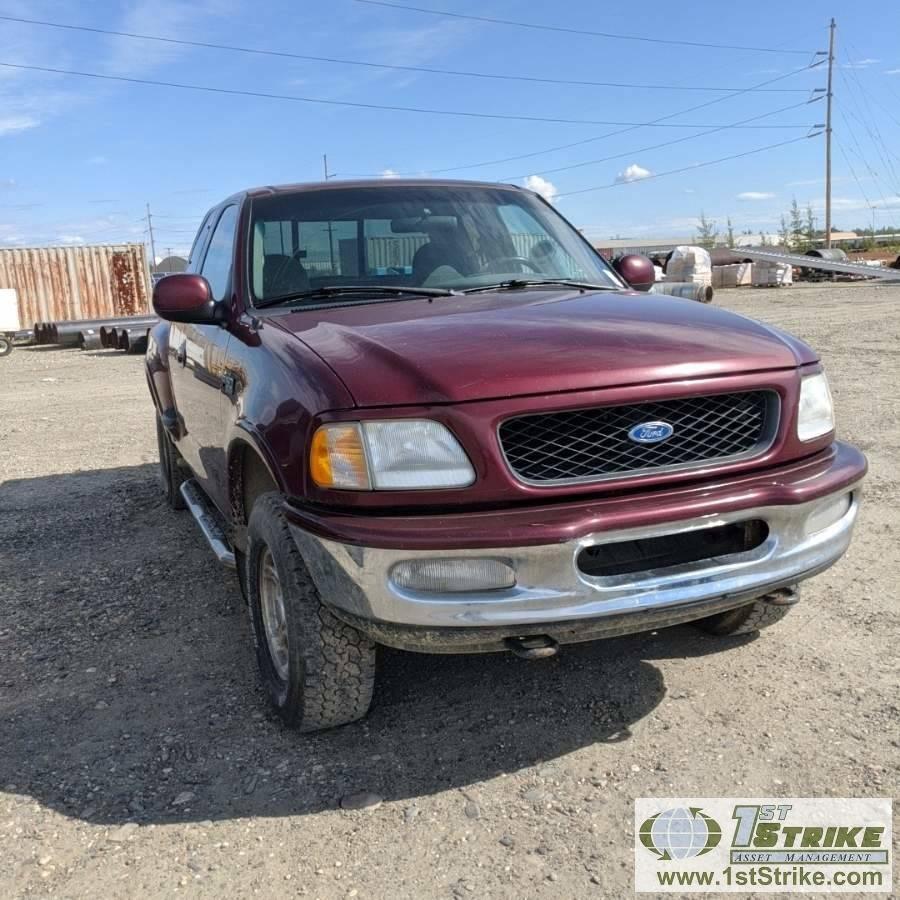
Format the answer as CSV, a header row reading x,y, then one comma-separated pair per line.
x,y
216,266
193,263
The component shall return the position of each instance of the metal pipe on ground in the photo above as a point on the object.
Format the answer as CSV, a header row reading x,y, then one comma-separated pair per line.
x,y
89,339
703,293
137,341
66,333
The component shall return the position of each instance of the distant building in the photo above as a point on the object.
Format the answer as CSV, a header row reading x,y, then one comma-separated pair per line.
x,y
646,246
171,265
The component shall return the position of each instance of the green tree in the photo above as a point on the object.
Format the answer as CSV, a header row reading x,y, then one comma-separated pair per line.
x,y
707,233
810,227
797,235
784,233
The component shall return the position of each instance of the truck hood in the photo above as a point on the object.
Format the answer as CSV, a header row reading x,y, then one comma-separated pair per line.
x,y
515,343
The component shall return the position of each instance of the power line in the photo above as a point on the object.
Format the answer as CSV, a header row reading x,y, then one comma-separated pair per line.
x,y
428,70
581,31
691,168
600,137
354,104
853,173
681,140
865,114
860,155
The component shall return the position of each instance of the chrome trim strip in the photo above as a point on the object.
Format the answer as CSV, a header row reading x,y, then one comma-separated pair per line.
x,y
770,432
550,588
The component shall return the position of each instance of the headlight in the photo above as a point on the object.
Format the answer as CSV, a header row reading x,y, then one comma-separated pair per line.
x,y
406,454
815,416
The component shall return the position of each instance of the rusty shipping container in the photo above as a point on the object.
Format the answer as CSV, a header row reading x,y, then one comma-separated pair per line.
x,y
76,282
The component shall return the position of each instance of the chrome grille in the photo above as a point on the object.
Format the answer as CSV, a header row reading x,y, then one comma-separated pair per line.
x,y
593,444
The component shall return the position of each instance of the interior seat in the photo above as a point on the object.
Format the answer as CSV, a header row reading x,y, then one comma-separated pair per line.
x,y
283,274
436,253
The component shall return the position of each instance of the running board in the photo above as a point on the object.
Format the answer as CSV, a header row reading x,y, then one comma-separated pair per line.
x,y
210,522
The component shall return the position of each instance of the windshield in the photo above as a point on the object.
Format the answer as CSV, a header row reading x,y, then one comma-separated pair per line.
x,y
440,237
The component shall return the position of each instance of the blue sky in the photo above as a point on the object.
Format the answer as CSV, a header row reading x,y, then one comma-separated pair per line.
x,y
80,158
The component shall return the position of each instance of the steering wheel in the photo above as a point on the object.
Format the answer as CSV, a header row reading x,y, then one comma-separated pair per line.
x,y
492,265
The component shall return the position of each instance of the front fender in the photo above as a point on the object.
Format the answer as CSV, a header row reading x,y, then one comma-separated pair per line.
x,y
244,436
156,363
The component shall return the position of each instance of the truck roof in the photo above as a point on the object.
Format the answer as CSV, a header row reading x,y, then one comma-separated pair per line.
x,y
372,182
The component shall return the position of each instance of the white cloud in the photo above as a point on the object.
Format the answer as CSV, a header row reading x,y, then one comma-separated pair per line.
x,y
14,124
177,17
755,195
388,173
634,172
861,64
97,160
892,72
547,189
71,239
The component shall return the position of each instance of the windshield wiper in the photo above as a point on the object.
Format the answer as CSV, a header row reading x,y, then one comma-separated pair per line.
x,y
515,284
323,293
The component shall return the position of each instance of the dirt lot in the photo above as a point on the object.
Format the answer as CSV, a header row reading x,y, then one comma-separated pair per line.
x,y
137,758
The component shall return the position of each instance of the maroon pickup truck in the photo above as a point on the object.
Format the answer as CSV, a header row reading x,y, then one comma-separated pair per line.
x,y
428,414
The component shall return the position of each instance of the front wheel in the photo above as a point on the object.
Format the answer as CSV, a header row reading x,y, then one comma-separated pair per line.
x,y
6,346
318,671
171,476
761,613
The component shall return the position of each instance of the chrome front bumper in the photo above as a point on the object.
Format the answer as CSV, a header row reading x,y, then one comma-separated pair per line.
x,y
550,589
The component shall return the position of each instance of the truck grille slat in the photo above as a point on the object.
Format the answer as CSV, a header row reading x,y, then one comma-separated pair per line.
x,y
592,444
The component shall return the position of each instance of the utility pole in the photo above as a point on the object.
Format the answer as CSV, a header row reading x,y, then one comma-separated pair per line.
x,y
828,136
152,243
330,226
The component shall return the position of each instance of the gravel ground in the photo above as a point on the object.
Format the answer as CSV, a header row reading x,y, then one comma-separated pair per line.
x,y
137,758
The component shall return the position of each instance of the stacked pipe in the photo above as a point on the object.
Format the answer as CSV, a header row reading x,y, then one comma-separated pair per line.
x,y
88,334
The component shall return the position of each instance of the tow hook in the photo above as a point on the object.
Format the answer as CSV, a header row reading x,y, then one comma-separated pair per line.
x,y
786,596
538,646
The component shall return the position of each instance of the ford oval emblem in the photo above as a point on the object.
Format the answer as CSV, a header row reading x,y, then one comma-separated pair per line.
x,y
651,432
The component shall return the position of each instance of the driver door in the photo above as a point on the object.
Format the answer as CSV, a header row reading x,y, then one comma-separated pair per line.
x,y
197,367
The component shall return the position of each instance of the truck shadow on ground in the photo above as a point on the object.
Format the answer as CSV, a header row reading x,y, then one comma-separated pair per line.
x,y
129,689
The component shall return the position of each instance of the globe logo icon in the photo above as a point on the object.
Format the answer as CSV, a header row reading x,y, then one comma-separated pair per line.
x,y
680,833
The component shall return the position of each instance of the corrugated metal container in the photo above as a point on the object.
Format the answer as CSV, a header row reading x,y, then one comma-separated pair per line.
x,y
79,282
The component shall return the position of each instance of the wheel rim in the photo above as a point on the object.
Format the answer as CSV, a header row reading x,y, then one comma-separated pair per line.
x,y
273,616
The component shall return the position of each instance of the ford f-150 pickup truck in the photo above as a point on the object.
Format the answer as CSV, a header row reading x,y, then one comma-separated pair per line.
x,y
428,415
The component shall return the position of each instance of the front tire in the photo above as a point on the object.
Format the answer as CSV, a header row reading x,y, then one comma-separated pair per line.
x,y
318,671
171,476
761,613
6,346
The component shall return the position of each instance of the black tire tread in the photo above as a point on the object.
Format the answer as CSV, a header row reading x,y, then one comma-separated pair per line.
x,y
338,661
748,619
170,472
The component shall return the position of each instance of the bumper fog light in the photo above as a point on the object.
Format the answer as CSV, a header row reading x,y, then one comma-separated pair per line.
x,y
451,576
827,513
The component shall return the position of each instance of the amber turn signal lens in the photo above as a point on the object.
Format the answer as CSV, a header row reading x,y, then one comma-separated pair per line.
x,y
337,458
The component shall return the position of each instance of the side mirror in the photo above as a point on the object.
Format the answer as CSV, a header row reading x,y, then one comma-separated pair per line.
x,y
637,271
186,298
